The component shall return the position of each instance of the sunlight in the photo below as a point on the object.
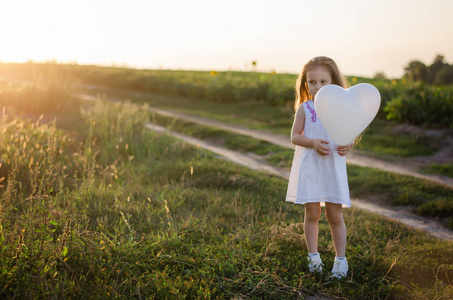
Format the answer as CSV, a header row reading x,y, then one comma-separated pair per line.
x,y
13,31
47,30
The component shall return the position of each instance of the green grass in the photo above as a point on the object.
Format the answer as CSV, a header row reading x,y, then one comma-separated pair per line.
x,y
381,141
43,102
117,212
442,169
427,198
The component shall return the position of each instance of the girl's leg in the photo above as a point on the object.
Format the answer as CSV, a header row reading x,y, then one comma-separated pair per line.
x,y
334,216
312,215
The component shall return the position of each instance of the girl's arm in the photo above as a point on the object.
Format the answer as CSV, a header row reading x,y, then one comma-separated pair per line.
x,y
298,139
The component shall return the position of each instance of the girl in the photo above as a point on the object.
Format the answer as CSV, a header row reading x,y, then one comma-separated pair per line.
x,y
318,173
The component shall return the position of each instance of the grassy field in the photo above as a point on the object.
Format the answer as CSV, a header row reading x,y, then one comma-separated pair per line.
x,y
256,100
401,100
110,209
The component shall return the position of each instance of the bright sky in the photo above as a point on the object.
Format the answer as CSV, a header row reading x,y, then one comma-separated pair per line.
x,y
362,36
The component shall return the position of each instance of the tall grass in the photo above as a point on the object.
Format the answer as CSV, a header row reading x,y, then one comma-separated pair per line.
x,y
47,99
32,100
50,180
39,215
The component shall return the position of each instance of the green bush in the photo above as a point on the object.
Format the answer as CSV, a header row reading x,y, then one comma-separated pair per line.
x,y
422,105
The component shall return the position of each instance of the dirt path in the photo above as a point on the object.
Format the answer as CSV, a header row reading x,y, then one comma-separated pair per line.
x,y
399,214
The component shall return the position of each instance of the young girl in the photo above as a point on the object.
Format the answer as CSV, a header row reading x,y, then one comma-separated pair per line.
x,y
318,172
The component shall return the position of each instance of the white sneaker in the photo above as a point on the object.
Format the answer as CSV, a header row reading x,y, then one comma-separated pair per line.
x,y
315,264
340,268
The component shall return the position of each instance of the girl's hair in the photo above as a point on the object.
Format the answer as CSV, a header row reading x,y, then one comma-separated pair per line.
x,y
302,93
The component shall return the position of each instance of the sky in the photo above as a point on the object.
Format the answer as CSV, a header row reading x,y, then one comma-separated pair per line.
x,y
363,36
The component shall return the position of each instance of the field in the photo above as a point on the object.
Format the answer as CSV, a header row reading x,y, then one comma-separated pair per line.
x,y
94,205
402,101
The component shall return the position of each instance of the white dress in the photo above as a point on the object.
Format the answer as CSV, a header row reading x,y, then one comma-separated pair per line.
x,y
316,178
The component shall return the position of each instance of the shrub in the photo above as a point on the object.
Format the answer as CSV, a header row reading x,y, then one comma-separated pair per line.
x,y
422,105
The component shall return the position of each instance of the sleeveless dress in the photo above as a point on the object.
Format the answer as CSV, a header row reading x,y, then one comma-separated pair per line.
x,y
316,178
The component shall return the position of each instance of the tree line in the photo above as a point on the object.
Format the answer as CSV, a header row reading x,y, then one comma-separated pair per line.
x,y
438,73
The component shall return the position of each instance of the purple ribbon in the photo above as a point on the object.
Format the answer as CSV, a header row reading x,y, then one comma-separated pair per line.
x,y
312,111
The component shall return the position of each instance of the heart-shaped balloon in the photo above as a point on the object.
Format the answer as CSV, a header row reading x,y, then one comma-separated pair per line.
x,y
345,113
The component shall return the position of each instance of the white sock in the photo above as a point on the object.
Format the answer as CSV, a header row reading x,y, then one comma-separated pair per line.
x,y
310,255
341,258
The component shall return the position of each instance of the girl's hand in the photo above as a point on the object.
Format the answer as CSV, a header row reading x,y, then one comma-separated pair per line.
x,y
342,150
319,148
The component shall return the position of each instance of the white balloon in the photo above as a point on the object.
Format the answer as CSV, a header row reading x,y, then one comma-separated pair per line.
x,y
345,113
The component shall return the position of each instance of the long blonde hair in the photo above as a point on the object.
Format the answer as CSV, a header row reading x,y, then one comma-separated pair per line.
x,y
302,92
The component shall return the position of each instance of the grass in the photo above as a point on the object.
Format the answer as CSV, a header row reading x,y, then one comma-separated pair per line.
x,y
120,214
442,169
381,141
43,101
427,198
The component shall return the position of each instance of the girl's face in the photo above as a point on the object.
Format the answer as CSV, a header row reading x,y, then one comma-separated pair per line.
x,y
317,78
